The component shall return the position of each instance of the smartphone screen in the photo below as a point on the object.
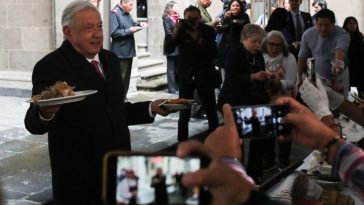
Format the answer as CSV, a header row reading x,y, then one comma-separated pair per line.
x,y
154,179
261,121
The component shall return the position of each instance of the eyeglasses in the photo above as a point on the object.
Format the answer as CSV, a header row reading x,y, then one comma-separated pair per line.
x,y
278,45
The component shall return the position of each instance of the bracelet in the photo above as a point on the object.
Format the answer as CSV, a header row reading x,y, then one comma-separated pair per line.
x,y
325,152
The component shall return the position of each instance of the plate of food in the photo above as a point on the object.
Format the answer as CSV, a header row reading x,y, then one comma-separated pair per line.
x,y
58,94
177,104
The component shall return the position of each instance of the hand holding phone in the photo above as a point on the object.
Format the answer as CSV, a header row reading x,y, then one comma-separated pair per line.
x,y
261,120
311,70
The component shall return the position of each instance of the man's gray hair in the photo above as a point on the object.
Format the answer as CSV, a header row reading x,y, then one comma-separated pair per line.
x,y
72,8
252,30
278,34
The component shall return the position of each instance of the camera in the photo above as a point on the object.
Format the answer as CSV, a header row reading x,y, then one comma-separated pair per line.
x,y
262,121
188,24
149,178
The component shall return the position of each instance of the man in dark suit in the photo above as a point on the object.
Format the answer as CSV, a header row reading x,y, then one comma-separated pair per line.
x,y
298,22
196,43
80,133
122,32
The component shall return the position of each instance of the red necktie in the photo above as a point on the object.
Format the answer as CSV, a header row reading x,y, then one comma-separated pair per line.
x,y
95,65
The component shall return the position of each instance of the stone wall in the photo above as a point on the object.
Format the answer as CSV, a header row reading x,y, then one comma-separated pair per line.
x,y
26,33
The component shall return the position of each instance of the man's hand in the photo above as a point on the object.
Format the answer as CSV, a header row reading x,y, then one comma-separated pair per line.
x,y
159,110
134,29
337,67
307,129
226,185
143,24
48,112
228,134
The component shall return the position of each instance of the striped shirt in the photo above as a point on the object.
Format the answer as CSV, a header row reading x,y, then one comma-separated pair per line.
x,y
349,165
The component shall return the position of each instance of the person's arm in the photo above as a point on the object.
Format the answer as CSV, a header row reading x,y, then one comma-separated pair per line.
x,y
290,69
301,67
353,111
117,31
346,158
342,45
348,162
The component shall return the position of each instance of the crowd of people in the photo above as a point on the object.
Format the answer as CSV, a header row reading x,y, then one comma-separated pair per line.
x,y
259,66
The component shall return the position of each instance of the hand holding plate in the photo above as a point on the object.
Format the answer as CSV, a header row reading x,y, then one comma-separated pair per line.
x,y
160,109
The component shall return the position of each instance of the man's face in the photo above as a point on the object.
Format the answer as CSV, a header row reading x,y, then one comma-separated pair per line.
x,y
317,7
205,3
294,4
193,16
85,34
127,6
324,26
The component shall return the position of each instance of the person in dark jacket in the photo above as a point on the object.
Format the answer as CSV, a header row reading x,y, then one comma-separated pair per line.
x,y
197,47
299,22
231,25
80,133
122,32
160,188
355,54
170,18
245,84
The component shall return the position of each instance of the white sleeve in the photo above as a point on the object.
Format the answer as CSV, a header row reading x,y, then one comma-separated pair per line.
x,y
122,191
290,69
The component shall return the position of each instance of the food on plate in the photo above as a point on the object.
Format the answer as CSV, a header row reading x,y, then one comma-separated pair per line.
x,y
59,89
178,101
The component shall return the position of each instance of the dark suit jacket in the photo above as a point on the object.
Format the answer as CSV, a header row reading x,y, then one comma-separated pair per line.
x,y
307,19
237,88
81,132
168,26
195,60
123,42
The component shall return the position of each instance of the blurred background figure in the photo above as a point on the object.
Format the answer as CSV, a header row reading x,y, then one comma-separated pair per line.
x,y
263,18
170,18
318,5
298,22
231,23
355,54
127,189
278,21
282,64
160,188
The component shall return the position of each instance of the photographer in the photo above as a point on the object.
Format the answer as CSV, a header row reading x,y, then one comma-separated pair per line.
x,y
196,43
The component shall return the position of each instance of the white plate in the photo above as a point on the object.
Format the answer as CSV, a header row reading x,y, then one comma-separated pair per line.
x,y
174,107
79,95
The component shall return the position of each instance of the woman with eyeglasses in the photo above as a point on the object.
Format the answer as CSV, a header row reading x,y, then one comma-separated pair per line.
x,y
282,64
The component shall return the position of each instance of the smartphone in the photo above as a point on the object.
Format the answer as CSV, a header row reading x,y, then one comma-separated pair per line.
x,y
311,70
150,178
261,120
